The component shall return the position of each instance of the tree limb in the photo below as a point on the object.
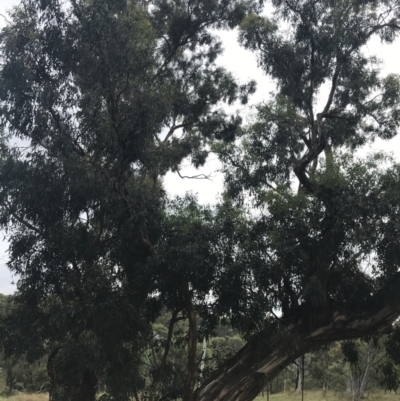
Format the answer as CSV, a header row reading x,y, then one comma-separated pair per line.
x,y
160,370
271,350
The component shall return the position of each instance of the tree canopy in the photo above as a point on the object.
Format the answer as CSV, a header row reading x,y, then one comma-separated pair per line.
x,y
106,97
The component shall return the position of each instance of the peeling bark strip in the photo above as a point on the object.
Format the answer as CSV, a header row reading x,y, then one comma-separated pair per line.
x,y
241,378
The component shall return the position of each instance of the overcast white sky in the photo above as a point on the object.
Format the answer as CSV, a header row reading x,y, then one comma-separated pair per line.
x,y
244,66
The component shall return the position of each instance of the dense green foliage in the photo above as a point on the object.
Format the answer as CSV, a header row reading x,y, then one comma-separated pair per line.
x,y
346,208
108,96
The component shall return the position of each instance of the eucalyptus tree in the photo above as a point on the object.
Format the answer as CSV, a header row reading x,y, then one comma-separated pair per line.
x,y
108,96
324,245
103,97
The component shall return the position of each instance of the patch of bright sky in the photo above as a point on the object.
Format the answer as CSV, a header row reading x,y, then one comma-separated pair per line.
x,y
243,65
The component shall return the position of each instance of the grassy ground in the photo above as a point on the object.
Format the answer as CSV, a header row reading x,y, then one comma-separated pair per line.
x,y
317,396
308,396
27,397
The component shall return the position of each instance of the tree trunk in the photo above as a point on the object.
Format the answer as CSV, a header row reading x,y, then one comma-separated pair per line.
x,y
190,381
203,359
242,377
11,380
86,391
299,376
325,384
324,388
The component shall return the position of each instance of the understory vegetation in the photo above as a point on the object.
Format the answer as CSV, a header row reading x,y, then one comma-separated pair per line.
x,y
350,370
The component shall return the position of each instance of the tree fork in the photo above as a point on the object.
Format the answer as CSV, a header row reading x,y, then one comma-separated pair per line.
x,y
241,378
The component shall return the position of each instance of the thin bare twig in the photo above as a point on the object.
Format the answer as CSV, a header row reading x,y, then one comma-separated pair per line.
x,y
194,177
5,18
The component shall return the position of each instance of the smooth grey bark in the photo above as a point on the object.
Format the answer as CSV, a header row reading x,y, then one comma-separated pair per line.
x,y
203,358
325,384
299,376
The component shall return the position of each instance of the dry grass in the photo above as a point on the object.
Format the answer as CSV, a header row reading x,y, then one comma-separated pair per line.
x,y
308,396
28,397
317,396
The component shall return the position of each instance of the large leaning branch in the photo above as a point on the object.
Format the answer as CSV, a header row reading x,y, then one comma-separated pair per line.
x,y
242,377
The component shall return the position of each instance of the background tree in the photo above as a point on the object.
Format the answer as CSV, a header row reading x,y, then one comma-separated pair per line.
x,y
328,370
19,375
364,358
